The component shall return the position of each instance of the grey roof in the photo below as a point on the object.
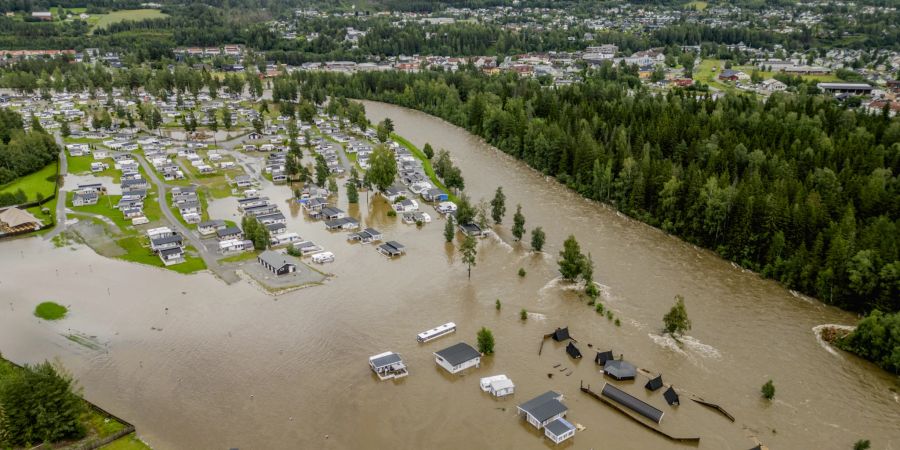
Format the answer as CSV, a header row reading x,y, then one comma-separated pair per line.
x,y
211,223
458,354
561,334
544,406
274,259
559,427
671,396
618,369
228,231
167,239
632,402
654,383
171,251
603,357
386,360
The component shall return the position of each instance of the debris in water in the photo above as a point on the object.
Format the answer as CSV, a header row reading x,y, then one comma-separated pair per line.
x,y
549,375
556,365
590,345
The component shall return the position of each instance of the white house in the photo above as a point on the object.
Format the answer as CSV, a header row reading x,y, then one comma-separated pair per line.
x,y
498,385
559,430
543,409
457,358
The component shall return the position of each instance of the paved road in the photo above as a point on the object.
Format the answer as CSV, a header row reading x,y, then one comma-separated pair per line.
x,y
229,276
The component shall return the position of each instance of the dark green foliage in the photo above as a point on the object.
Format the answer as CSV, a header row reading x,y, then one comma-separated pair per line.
x,y
518,228
449,229
798,188
428,150
382,168
322,170
22,153
352,193
523,314
38,404
498,205
522,272
768,390
256,232
676,321
465,212
570,259
862,444
876,338
485,341
537,239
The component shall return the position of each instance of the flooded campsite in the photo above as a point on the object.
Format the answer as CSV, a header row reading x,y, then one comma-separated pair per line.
x,y
236,361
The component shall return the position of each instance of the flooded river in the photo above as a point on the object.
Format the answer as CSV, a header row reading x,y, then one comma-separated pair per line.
x,y
229,366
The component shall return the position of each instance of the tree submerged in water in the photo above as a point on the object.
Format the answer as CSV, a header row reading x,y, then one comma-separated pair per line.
x,y
768,390
485,341
676,321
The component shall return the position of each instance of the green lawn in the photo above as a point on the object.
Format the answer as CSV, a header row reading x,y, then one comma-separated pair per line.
x,y
50,311
245,256
80,165
138,251
696,4
43,181
104,20
129,442
104,207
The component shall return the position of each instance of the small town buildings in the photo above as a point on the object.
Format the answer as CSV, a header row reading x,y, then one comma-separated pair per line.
x,y
435,195
322,258
85,198
406,205
845,88
346,223
277,263
654,383
458,357
229,233
15,220
307,247
366,236
166,242
388,365
573,351
543,409
171,256
211,226
498,385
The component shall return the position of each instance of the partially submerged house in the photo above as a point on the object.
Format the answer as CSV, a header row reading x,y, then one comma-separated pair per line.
x,y
603,357
458,357
671,397
344,223
561,334
559,430
543,409
498,385
619,369
654,383
573,351
388,365
366,236
392,249
277,263
631,402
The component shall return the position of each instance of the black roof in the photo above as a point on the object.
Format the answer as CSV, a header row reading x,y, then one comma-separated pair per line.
x,y
544,406
573,351
458,354
671,396
559,426
655,383
632,403
603,357
561,334
167,239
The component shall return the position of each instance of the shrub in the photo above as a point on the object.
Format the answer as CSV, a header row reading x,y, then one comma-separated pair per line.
x,y
523,314
599,307
768,390
392,213
497,304
485,341
50,311
521,271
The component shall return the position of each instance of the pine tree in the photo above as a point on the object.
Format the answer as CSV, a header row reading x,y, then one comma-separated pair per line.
x,y
518,228
498,206
537,239
469,252
449,229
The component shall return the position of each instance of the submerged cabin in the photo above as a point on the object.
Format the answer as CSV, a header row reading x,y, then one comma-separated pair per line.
x,y
458,357
392,249
573,351
631,402
388,365
543,409
671,397
619,370
603,357
561,334
436,332
276,263
498,385
654,383
559,430
365,236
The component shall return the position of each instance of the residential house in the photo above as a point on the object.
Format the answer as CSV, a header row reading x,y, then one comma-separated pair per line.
x,y
458,357
277,263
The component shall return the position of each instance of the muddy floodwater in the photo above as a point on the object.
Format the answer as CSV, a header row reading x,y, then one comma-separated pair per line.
x,y
230,366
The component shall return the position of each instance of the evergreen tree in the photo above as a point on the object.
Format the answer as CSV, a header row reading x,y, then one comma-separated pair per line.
x,y
518,228
428,150
449,229
39,404
352,193
676,321
498,206
537,239
570,259
485,341
382,168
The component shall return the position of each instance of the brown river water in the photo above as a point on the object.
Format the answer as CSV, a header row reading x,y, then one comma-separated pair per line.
x,y
230,366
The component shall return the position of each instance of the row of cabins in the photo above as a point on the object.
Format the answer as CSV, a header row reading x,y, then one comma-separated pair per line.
x,y
187,201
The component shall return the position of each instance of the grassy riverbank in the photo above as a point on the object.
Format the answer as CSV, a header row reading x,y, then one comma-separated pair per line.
x,y
41,182
426,164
